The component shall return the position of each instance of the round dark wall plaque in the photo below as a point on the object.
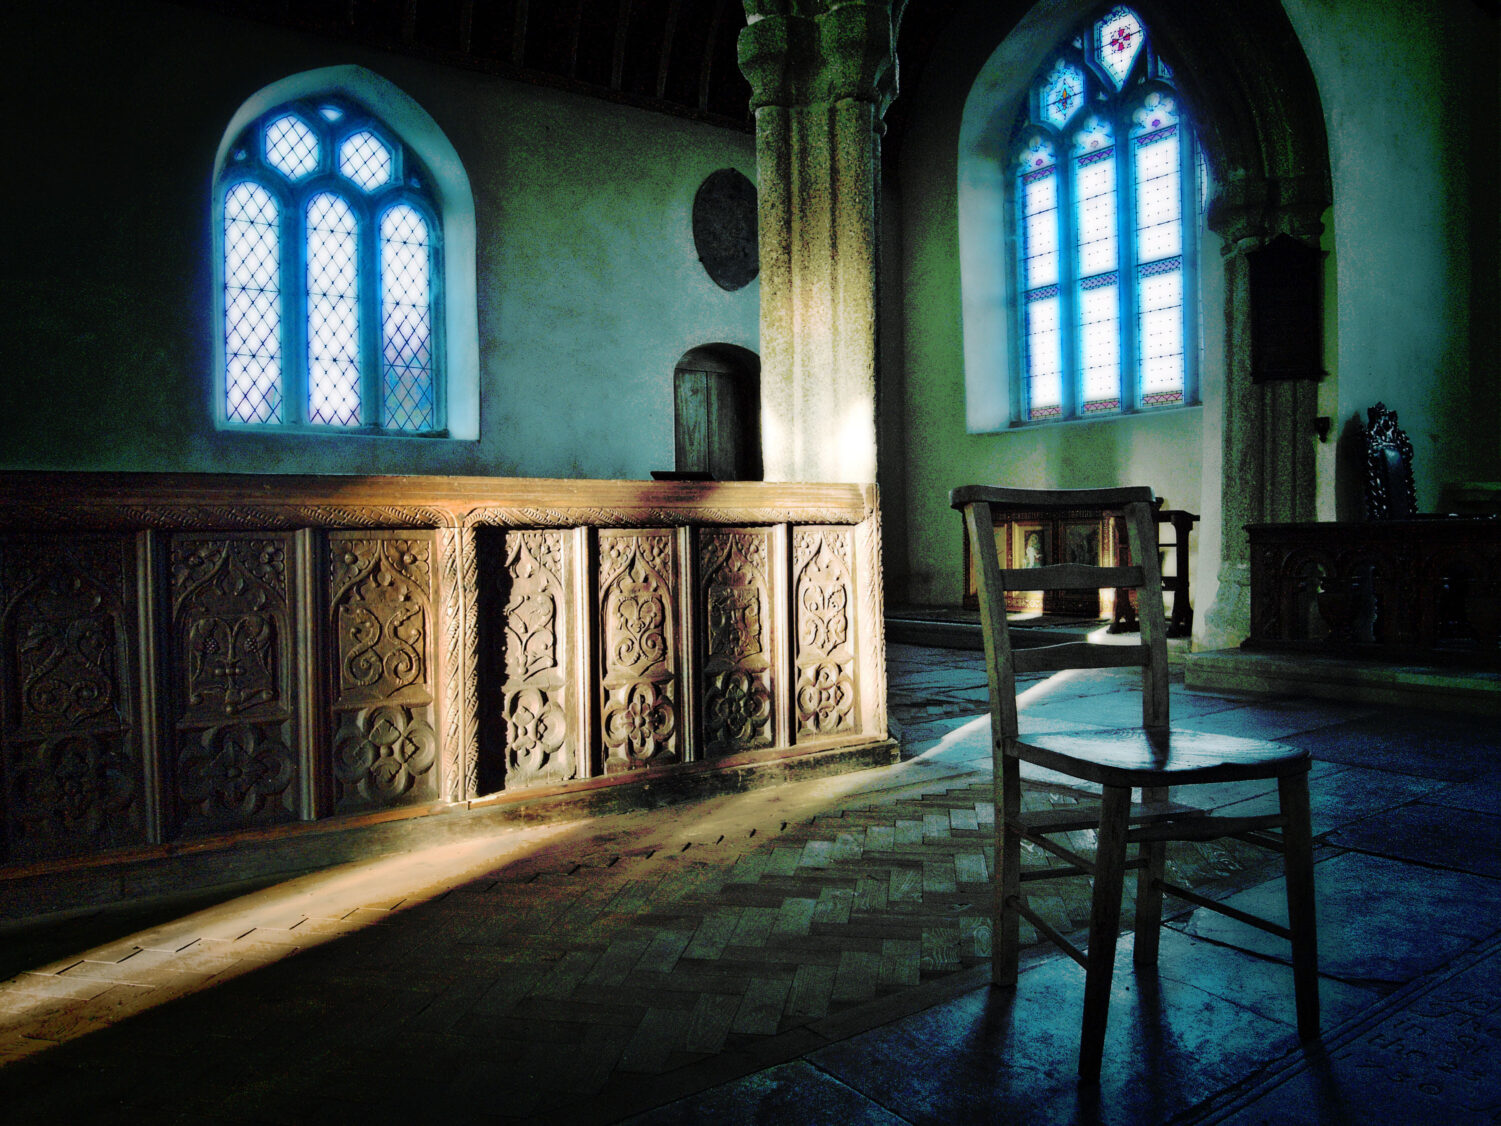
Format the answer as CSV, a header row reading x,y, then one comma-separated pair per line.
x,y
724,228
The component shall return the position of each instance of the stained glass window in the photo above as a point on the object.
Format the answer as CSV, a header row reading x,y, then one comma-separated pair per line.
x,y
1103,162
330,260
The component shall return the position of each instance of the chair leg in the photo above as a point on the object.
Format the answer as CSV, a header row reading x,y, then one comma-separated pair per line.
x,y
1149,890
1297,840
1104,926
1005,947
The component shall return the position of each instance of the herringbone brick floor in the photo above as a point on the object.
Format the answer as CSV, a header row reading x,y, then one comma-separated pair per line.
x,y
573,973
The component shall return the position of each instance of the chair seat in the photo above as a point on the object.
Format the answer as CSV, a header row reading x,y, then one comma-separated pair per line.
x,y
1135,756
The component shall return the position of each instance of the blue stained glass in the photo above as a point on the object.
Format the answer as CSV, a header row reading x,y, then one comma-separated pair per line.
x,y
1159,202
1044,357
1117,41
333,315
1159,333
291,147
1062,93
252,305
1100,343
406,320
1095,207
1040,229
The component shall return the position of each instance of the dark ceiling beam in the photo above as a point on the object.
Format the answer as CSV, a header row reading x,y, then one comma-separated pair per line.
x,y
665,60
622,29
706,70
575,24
518,34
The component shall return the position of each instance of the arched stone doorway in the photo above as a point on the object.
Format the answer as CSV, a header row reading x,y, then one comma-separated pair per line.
x,y
716,404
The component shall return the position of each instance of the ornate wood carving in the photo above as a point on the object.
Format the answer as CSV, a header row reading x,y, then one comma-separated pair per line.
x,y
459,573
737,684
385,748
824,599
73,773
233,667
528,662
1404,589
639,649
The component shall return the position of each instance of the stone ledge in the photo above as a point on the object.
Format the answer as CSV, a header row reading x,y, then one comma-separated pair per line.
x,y
1281,674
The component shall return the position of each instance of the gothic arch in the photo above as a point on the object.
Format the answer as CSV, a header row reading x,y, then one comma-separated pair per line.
x,y
1256,107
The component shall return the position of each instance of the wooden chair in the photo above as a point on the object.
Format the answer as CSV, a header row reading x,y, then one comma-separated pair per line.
x,y
1152,757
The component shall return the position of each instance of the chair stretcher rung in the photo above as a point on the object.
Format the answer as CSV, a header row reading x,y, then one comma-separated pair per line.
x,y
1234,913
1078,655
1088,817
1070,576
1045,929
1030,874
1265,840
1204,828
1073,858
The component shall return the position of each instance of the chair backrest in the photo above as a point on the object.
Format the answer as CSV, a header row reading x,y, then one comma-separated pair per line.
x,y
981,505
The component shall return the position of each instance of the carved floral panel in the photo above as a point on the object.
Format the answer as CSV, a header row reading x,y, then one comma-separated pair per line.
x,y
530,658
233,666
74,780
824,596
384,746
736,604
640,715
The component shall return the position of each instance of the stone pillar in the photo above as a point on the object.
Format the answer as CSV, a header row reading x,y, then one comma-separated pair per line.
x,y
822,73
1269,453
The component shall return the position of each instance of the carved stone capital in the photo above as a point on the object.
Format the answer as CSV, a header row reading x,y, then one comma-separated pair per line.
x,y
805,52
1249,212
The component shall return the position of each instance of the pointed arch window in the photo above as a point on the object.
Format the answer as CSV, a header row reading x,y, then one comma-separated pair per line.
x,y
1106,203
331,255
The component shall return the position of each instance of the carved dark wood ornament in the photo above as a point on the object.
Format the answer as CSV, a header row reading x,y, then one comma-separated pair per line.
x,y
72,765
535,704
737,677
385,749
824,595
638,593
234,666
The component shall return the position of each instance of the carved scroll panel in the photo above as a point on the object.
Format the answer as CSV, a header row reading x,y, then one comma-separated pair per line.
x,y
824,609
234,672
737,611
384,748
527,660
73,775
640,654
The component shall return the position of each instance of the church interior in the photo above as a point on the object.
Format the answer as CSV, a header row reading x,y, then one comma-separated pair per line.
x,y
475,515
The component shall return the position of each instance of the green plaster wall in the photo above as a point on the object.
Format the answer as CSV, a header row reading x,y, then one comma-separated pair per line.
x,y
589,289
1411,284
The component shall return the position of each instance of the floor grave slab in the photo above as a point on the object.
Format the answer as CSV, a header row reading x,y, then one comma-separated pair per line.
x,y
1379,920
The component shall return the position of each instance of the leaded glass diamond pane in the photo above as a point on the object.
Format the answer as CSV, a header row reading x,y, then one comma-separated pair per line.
x,y
365,160
333,316
407,320
1040,228
1044,358
1062,93
1117,41
252,305
1159,197
1159,332
291,147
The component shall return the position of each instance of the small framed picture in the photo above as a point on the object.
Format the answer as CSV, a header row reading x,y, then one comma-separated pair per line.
x,y
1081,542
1029,545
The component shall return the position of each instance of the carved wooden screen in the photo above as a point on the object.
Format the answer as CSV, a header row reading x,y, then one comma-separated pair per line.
x,y
236,680
528,659
641,700
73,771
384,744
738,611
824,597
